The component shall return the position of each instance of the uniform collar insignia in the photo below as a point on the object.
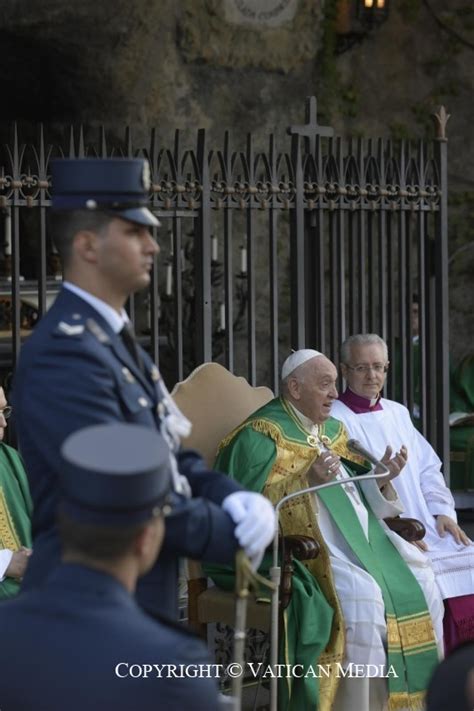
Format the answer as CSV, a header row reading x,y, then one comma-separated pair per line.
x,y
97,331
70,330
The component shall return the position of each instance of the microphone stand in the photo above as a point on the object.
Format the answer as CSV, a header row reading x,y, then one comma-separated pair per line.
x,y
275,570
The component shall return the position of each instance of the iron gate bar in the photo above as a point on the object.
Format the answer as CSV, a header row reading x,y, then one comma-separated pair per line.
x,y
391,309
202,252
340,221
42,181
374,212
422,325
420,364
273,285
408,312
402,249
154,308
441,301
382,246
251,270
297,252
431,340
361,241
228,260
178,296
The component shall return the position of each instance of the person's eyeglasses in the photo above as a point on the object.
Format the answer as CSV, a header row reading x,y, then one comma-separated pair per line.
x,y
7,411
362,369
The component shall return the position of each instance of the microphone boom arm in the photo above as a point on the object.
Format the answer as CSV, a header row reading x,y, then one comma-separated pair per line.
x,y
275,570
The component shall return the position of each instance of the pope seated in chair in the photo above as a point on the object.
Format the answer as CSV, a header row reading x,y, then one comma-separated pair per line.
x,y
370,597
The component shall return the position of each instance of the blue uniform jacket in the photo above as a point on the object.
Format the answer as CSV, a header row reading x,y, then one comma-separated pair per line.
x,y
74,371
62,642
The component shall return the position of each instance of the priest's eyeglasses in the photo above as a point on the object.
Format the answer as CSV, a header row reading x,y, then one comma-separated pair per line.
x,y
7,411
363,369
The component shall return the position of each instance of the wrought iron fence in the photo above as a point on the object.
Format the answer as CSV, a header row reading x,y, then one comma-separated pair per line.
x,y
298,245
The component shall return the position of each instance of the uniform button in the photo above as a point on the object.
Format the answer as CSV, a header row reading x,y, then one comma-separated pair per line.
x,y
76,317
128,375
143,401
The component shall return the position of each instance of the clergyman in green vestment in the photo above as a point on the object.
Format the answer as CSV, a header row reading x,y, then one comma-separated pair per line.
x,y
15,513
359,616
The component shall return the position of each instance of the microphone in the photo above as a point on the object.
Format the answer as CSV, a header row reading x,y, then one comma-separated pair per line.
x,y
356,447
275,569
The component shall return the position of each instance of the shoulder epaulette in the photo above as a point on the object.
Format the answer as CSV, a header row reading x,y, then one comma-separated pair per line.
x,y
70,329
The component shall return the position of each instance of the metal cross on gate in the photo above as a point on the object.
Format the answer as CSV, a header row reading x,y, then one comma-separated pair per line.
x,y
311,128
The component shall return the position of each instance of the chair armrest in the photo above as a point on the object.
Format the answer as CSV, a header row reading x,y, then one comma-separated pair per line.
x,y
408,528
301,548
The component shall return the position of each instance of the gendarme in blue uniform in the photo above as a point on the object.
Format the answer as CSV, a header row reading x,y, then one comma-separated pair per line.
x,y
74,371
80,641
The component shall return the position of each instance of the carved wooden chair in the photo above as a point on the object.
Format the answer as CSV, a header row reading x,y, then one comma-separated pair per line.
x,y
216,401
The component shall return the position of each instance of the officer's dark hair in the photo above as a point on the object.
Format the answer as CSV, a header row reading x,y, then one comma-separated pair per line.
x,y
65,225
95,542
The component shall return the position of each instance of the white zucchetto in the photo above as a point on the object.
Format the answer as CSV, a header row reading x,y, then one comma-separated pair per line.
x,y
296,359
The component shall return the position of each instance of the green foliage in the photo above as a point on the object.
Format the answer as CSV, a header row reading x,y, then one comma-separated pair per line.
x,y
400,131
422,112
350,101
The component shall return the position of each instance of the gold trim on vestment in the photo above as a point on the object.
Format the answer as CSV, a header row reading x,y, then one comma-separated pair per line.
x,y
337,442
8,535
403,700
298,517
410,633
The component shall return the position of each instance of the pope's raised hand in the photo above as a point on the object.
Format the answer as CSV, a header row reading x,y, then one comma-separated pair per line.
x,y
324,468
394,464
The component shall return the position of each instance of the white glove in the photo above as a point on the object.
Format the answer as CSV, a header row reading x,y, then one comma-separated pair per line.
x,y
255,521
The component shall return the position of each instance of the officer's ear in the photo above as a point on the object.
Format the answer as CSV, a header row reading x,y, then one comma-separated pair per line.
x,y
85,245
148,543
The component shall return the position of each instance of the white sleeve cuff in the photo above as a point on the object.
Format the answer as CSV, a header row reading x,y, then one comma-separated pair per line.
x,y
443,510
382,506
5,559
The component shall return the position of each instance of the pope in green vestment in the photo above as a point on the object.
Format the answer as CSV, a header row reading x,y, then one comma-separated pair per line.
x,y
271,452
15,511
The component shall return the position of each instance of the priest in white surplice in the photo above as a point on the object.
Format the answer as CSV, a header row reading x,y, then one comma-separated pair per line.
x,y
377,422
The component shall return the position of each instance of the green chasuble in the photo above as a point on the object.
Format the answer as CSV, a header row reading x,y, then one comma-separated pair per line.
x,y
15,510
271,453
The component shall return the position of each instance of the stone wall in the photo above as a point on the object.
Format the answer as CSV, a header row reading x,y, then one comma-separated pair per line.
x,y
220,64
